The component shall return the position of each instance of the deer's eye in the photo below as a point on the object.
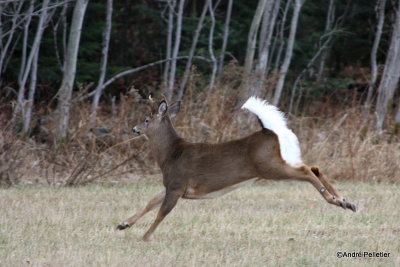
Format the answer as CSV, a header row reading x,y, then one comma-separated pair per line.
x,y
146,121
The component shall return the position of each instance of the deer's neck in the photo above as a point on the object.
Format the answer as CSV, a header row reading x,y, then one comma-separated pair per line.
x,y
164,142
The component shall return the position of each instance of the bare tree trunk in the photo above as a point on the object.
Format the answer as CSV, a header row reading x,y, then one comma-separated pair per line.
x,y
177,42
1,27
225,36
104,56
289,52
397,117
32,54
322,47
25,41
171,10
380,10
62,19
4,48
195,40
252,38
64,35
31,96
265,25
210,45
32,84
390,76
330,17
65,91
261,67
46,13
280,35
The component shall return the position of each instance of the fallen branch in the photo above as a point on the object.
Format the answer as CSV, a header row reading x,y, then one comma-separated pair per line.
x,y
134,70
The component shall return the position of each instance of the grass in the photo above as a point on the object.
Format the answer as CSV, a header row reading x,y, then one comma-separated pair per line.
x,y
274,224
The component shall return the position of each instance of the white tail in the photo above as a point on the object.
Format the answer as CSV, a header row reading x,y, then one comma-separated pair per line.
x,y
273,119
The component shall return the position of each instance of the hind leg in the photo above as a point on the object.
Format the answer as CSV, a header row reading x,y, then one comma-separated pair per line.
x,y
304,173
326,183
330,187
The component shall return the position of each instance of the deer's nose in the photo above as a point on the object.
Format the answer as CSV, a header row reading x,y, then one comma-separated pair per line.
x,y
136,130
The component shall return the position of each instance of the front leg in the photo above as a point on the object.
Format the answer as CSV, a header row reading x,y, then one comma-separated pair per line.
x,y
153,203
170,200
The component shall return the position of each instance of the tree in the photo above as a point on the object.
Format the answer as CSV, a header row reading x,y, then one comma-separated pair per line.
x,y
195,40
280,38
170,29
289,52
380,14
177,42
65,91
62,20
390,76
225,35
25,41
330,19
397,117
104,56
267,30
45,14
265,15
323,45
252,37
31,61
8,28
210,45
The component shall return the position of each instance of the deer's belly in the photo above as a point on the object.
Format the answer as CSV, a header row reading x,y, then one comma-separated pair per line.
x,y
193,193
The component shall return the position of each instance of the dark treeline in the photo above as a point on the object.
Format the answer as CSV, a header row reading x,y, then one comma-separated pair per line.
x,y
282,45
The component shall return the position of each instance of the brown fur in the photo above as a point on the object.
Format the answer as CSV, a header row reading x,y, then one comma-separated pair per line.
x,y
193,170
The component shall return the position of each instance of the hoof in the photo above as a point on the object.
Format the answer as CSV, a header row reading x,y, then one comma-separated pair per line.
x,y
146,237
351,207
122,226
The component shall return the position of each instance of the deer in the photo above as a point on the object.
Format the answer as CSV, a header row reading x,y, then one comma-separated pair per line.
x,y
204,171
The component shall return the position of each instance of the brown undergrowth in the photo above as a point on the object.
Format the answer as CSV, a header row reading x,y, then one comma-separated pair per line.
x,y
104,149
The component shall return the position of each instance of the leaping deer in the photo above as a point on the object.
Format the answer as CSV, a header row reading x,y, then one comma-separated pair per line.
x,y
200,170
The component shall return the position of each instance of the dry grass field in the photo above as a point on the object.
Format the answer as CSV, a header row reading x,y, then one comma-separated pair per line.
x,y
273,224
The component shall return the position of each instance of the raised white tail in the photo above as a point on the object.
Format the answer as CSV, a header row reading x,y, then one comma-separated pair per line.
x,y
273,119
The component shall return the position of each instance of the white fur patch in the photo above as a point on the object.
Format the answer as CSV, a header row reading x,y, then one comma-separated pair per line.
x,y
273,119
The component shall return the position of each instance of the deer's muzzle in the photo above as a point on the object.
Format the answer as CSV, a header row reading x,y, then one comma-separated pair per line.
x,y
136,130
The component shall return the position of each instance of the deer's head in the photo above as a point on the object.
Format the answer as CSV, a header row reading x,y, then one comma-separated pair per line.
x,y
158,117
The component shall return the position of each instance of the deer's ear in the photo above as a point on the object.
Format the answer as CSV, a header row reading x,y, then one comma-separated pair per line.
x,y
162,108
174,109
